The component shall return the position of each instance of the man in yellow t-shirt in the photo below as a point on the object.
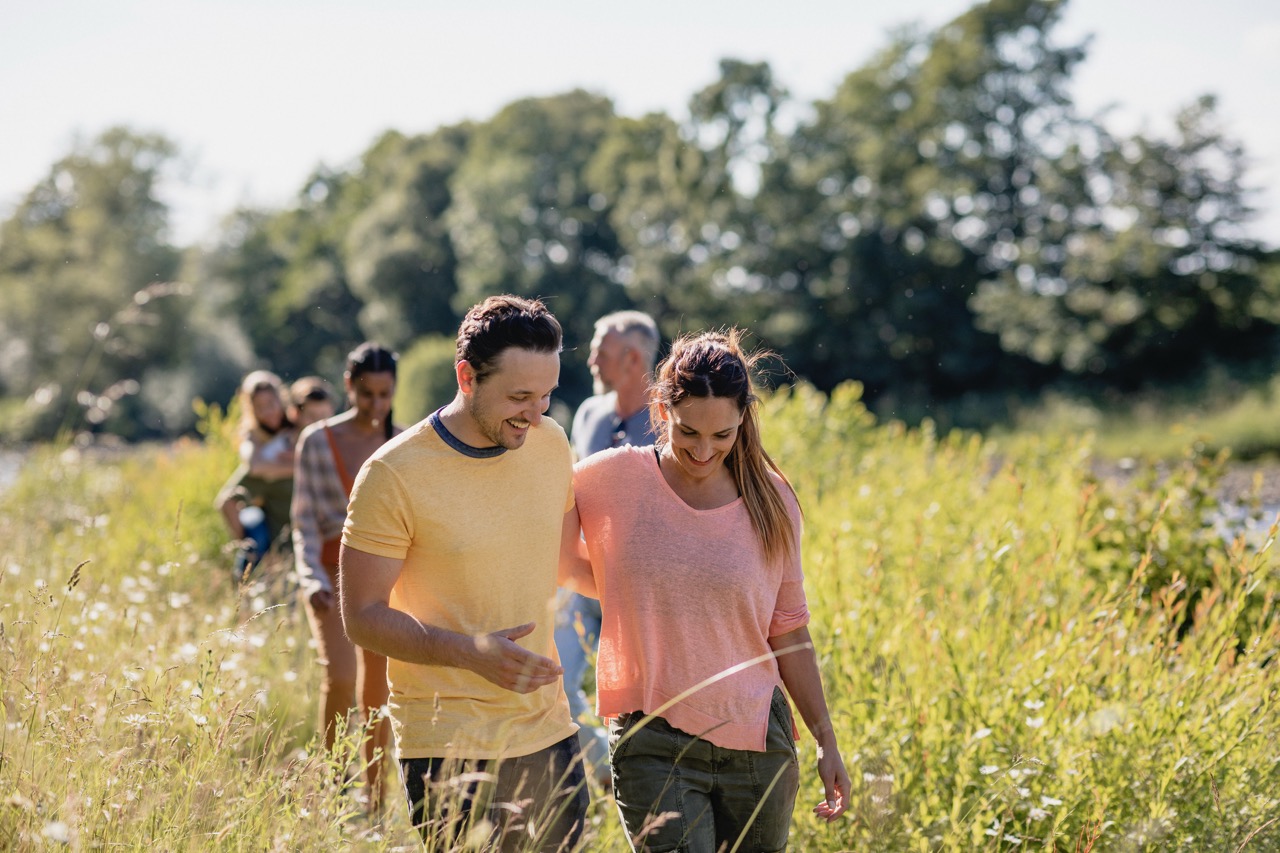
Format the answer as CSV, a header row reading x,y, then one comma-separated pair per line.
x,y
449,560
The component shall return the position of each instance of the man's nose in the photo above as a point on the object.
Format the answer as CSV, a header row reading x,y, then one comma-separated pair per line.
x,y
535,412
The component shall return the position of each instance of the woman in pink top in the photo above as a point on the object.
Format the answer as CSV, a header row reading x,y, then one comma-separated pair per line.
x,y
693,548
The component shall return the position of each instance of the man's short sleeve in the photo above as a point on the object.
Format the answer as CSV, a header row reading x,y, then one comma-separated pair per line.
x,y
379,516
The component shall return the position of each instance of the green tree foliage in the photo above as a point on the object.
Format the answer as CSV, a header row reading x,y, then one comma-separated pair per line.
x,y
946,229
525,219
398,253
364,254
425,380
680,198
1150,274
88,301
908,188
281,274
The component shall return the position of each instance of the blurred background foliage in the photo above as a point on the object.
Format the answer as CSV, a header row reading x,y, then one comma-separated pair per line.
x,y
947,229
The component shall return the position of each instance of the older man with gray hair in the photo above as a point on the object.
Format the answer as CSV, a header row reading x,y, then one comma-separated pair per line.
x,y
624,350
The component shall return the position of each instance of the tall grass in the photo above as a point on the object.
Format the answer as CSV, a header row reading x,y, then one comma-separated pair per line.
x,y
1015,655
1003,671
1216,413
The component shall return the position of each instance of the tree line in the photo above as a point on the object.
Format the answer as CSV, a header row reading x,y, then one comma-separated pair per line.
x,y
947,228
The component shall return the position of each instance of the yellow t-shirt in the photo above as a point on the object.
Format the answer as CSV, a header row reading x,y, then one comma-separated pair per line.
x,y
479,533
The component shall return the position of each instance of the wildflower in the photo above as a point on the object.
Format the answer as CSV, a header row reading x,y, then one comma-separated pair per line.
x,y
1106,719
988,769
1033,704
1050,801
1035,722
479,834
981,733
18,801
57,832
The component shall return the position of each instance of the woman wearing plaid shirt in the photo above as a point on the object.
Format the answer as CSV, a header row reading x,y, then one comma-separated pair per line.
x,y
329,456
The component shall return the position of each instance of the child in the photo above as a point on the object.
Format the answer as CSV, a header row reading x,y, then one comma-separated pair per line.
x,y
313,400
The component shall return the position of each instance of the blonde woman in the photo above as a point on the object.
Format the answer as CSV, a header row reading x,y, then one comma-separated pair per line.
x,y
254,502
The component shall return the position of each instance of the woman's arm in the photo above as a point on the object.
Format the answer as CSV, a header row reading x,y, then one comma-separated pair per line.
x,y
798,665
272,459
307,544
229,502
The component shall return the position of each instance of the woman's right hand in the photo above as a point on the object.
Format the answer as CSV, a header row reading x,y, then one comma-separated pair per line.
x,y
322,601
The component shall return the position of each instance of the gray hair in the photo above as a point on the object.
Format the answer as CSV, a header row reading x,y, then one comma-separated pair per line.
x,y
637,326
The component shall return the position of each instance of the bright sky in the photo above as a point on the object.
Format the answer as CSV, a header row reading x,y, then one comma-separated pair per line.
x,y
258,93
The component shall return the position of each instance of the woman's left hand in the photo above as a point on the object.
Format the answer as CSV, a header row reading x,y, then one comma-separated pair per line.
x,y
835,781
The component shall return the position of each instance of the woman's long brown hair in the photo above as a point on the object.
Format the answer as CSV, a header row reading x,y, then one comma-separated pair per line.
x,y
714,364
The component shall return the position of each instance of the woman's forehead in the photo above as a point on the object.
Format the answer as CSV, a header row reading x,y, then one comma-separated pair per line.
x,y
710,413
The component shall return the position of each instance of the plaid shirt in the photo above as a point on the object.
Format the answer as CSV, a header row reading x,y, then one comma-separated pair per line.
x,y
319,507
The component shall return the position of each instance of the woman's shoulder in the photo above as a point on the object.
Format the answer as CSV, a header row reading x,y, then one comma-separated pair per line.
x,y
308,432
615,458
613,478
608,467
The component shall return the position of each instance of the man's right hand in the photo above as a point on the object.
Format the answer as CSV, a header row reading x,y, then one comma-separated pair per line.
x,y
510,666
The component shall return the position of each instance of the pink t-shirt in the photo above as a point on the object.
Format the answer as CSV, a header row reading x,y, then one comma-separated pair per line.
x,y
686,595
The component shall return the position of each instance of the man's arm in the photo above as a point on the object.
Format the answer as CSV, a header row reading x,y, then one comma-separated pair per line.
x,y
373,624
575,568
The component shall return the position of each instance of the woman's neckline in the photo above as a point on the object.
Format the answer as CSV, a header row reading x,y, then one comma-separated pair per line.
x,y
662,478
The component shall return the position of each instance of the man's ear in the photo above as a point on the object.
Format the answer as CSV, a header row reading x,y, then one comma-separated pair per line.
x,y
466,376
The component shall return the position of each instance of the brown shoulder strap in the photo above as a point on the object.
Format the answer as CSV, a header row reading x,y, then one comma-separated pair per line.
x,y
347,484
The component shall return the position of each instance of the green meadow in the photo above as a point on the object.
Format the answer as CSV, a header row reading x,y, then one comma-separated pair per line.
x,y
1017,655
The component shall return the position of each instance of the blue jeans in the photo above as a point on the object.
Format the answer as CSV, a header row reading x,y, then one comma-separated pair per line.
x,y
574,649
248,557
678,792
544,792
